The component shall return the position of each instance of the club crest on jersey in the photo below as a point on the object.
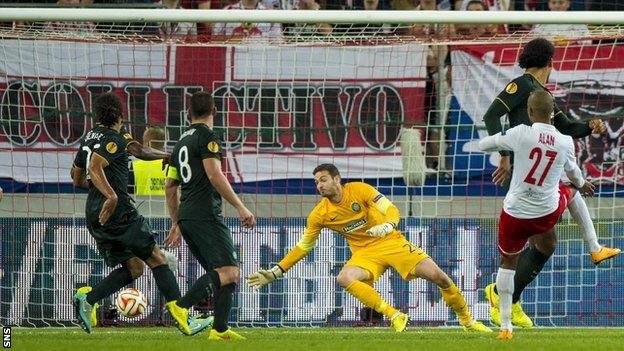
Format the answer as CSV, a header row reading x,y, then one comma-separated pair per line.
x,y
511,88
111,147
213,147
356,207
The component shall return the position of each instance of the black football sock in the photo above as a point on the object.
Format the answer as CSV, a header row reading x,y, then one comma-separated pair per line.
x,y
529,266
201,290
223,306
166,282
114,281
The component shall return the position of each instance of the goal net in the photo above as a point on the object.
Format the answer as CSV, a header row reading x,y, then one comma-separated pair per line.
x,y
398,106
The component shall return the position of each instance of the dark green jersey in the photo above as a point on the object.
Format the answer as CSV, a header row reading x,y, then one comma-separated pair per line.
x,y
200,200
513,102
111,145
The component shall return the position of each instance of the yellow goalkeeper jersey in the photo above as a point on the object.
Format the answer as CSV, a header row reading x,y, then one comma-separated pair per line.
x,y
361,208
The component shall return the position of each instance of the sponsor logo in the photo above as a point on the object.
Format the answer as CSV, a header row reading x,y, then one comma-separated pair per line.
x,y
354,225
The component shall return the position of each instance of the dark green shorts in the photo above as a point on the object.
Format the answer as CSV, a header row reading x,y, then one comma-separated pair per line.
x,y
122,242
210,242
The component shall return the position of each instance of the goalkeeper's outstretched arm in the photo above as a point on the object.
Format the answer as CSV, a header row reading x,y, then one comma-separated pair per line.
x,y
307,242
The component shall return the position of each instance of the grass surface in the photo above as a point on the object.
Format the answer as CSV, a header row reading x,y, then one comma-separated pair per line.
x,y
287,339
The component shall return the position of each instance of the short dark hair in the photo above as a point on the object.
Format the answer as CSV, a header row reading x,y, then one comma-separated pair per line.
x,y
202,104
537,53
330,168
542,103
107,108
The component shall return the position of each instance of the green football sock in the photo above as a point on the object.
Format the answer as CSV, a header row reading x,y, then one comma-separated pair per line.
x,y
116,280
223,306
201,290
166,282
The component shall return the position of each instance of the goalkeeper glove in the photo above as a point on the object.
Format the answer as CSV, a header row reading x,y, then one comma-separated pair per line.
x,y
380,230
263,277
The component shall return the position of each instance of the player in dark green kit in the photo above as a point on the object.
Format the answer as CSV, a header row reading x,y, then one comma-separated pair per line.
x,y
536,59
122,235
196,166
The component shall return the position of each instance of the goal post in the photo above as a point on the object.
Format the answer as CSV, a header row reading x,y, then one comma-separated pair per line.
x,y
366,90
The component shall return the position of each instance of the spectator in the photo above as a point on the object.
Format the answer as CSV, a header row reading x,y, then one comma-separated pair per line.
x,y
241,31
182,30
562,34
490,5
605,5
149,177
305,29
475,30
434,55
80,27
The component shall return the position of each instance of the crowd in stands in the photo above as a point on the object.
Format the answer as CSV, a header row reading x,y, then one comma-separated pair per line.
x,y
242,31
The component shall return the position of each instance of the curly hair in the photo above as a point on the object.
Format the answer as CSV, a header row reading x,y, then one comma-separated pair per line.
x,y
107,108
537,53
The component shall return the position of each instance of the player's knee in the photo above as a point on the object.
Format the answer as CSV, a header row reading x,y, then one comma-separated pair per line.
x,y
135,267
229,275
345,278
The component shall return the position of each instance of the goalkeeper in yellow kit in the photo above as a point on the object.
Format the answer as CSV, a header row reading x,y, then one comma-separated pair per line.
x,y
368,220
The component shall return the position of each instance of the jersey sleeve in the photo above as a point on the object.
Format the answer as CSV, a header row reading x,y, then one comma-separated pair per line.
x,y
514,94
568,126
500,141
111,147
571,168
307,242
374,199
80,161
210,146
127,136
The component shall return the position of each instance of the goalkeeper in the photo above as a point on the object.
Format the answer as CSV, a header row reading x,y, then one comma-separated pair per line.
x,y
368,220
536,59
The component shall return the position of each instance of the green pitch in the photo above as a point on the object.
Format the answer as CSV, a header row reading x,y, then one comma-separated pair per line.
x,y
287,339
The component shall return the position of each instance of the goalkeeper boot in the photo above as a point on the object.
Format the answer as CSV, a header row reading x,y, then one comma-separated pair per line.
x,y
492,297
199,324
83,311
180,315
505,334
605,253
476,326
519,318
85,290
228,334
399,321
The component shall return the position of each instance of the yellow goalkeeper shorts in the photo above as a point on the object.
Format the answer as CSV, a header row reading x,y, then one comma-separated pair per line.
x,y
397,253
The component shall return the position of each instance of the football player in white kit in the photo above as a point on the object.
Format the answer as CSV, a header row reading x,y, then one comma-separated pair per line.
x,y
536,197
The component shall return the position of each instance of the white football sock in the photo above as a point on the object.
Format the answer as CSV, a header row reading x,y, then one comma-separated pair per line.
x,y
505,287
580,213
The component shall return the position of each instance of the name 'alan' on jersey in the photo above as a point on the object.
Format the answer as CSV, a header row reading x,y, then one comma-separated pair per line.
x,y
541,155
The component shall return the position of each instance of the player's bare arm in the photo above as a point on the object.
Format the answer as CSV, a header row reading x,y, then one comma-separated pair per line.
x,y
172,195
146,153
212,166
98,179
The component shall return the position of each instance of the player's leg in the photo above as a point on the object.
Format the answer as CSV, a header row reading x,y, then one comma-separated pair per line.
x,y
580,213
356,278
505,284
211,243
429,270
138,237
86,298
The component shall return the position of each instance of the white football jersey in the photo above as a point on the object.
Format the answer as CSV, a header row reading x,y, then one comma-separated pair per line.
x,y
541,155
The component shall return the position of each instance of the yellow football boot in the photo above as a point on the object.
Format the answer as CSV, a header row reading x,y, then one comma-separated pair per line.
x,y
476,326
229,334
399,321
492,298
605,253
180,315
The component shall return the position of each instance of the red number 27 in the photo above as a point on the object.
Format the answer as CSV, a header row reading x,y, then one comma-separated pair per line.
x,y
536,154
